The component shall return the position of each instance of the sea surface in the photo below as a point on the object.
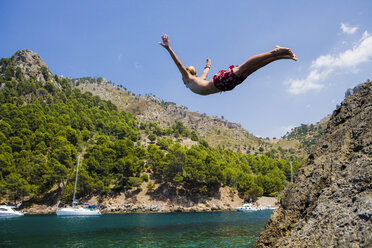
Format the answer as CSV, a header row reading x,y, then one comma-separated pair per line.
x,y
216,229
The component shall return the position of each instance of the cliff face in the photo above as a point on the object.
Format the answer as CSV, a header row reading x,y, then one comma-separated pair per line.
x,y
330,201
31,65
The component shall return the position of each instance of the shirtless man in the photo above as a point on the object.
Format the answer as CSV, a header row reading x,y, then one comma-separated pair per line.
x,y
225,80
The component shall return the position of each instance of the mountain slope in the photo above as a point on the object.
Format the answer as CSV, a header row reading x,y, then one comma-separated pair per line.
x,y
308,135
216,131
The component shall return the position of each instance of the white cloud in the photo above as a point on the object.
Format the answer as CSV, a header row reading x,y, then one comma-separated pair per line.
x,y
348,29
301,86
360,53
322,67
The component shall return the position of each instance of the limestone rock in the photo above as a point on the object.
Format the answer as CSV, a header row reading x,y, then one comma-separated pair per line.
x,y
31,65
330,202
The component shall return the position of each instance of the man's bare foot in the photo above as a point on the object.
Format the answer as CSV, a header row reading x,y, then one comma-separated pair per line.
x,y
284,52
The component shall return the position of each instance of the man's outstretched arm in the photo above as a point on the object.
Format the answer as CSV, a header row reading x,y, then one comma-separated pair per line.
x,y
166,45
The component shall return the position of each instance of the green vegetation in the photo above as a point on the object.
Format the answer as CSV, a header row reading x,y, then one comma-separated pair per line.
x,y
44,125
204,169
308,135
217,134
43,128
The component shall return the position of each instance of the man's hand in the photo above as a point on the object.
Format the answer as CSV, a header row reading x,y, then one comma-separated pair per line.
x,y
165,39
208,65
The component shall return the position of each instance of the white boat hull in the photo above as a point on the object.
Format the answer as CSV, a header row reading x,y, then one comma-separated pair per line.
x,y
252,209
8,211
78,212
11,214
248,207
245,210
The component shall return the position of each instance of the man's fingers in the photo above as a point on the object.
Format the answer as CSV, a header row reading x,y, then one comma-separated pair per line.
x,y
165,39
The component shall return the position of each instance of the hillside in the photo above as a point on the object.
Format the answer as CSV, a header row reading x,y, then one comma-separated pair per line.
x,y
330,201
45,123
216,131
308,135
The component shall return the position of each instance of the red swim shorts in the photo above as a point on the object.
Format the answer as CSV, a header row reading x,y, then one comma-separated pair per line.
x,y
226,80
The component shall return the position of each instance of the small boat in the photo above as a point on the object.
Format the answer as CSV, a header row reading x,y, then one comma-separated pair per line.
x,y
248,207
78,209
8,211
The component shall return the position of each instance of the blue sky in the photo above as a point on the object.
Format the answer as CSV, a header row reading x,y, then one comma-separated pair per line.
x,y
118,40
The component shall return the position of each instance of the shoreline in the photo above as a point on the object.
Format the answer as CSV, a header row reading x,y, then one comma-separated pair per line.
x,y
149,212
162,207
138,212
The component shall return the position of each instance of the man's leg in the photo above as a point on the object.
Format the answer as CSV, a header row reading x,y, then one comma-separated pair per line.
x,y
258,61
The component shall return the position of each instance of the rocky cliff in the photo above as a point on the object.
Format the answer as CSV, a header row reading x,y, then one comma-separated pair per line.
x,y
330,201
32,65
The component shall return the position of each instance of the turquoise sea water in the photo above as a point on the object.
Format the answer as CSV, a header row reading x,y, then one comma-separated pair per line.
x,y
218,229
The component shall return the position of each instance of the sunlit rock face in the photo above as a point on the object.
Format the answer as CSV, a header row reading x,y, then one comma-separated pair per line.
x,y
330,201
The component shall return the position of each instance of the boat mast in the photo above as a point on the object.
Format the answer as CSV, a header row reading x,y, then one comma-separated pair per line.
x,y
76,179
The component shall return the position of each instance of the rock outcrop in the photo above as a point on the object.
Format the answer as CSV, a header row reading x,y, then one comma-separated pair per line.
x,y
330,201
354,90
32,65
28,57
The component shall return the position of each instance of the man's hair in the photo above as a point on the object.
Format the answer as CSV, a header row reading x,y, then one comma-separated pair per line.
x,y
191,69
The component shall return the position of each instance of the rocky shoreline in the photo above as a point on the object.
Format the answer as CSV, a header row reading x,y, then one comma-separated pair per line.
x,y
166,200
159,207
128,208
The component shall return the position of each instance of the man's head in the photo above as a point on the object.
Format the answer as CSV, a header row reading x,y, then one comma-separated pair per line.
x,y
191,69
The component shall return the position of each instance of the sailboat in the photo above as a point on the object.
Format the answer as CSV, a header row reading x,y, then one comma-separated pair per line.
x,y
78,209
